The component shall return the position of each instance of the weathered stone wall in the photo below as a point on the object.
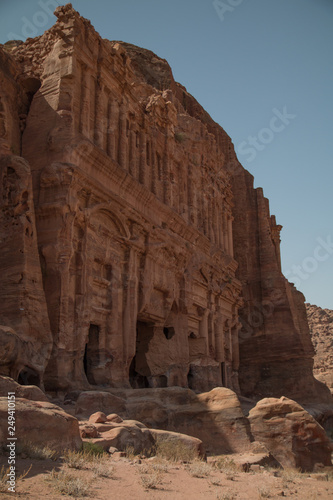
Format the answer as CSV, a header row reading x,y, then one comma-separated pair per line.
x,y
25,334
321,331
143,216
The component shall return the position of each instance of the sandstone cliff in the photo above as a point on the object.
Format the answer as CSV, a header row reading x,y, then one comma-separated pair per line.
x,y
160,261
321,331
25,335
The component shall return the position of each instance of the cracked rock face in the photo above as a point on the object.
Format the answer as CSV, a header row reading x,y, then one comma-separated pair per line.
x,y
321,331
136,252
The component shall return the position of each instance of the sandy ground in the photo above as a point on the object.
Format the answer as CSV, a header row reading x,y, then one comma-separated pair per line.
x,y
176,482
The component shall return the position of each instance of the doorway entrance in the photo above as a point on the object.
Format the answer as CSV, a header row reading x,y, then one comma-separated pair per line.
x,y
28,376
223,374
91,353
139,370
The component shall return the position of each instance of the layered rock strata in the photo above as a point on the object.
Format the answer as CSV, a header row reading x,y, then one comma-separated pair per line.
x,y
160,261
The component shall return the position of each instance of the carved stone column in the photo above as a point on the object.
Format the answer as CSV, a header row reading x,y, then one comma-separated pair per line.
x,y
122,154
142,160
225,233
230,245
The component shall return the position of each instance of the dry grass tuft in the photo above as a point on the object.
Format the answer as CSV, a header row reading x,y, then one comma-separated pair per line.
x,y
263,493
150,468
101,468
98,464
151,481
130,452
227,495
36,452
4,478
76,459
199,469
215,482
290,475
174,451
226,464
67,484
93,449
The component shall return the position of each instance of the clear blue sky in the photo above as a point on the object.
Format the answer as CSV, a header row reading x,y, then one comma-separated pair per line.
x,y
245,62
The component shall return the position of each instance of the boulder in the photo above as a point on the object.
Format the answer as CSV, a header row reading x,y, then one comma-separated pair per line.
x,y
91,401
214,417
98,418
194,445
290,434
124,436
88,430
31,392
113,417
42,424
135,435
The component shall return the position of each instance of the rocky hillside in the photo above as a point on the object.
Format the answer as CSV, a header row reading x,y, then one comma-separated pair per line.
x,y
321,330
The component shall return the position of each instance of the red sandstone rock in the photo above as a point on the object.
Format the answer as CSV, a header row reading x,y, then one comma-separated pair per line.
x,y
30,392
98,418
321,331
88,402
290,434
42,424
113,417
215,417
134,434
194,445
88,431
25,334
125,436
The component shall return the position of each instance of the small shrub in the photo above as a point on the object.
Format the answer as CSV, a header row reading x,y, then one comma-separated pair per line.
x,y
174,451
199,469
160,467
4,478
101,468
130,452
290,475
151,481
225,496
99,464
215,482
226,464
180,137
67,484
262,493
153,467
77,460
146,469
93,449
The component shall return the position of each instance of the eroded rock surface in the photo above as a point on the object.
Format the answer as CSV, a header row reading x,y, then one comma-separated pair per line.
x,y
321,331
290,434
216,417
134,436
41,424
25,333
31,392
91,402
